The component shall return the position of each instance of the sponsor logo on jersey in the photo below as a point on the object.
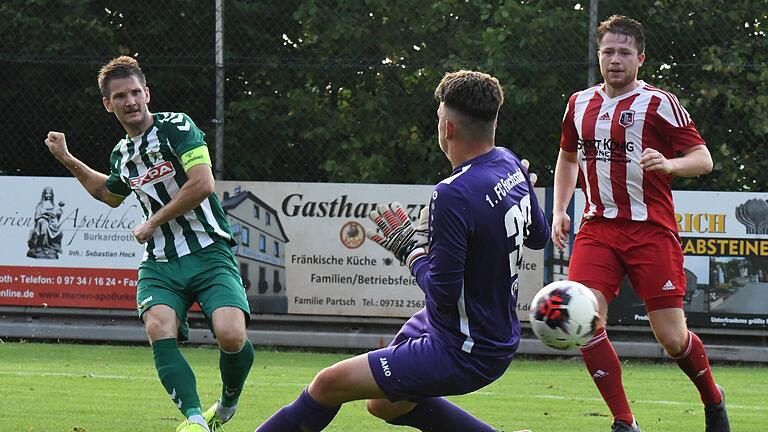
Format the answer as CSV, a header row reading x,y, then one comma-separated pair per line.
x,y
153,175
591,146
604,116
627,118
669,286
605,149
385,366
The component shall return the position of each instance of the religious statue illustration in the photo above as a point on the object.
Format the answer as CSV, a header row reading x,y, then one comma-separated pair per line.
x,y
45,238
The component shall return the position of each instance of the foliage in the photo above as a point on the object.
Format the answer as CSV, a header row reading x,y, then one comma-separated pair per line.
x,y
356,91
330,90
51,52
714,56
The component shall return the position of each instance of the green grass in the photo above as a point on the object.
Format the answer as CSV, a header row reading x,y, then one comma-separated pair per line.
x,y
89,388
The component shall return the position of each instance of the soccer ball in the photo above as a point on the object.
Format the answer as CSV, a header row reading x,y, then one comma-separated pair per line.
x,y
564,315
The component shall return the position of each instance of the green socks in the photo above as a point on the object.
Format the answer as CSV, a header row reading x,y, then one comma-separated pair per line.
x,y
234,370
179,380
176,375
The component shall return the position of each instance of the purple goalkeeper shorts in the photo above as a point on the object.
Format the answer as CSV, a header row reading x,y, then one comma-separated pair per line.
x,y
418,364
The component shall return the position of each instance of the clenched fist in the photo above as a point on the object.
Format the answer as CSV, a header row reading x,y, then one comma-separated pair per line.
x,y
144,232
57,144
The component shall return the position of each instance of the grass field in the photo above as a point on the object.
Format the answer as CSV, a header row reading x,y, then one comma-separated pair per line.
x,y
90,388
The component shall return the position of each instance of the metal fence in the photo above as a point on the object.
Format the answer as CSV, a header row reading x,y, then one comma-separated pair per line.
x,y
324,90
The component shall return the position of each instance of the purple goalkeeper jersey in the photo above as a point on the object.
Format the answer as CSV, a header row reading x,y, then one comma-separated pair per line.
x,y
480,218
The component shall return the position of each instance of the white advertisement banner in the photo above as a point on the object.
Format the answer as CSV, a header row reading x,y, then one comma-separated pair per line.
x,y
61,247
303,249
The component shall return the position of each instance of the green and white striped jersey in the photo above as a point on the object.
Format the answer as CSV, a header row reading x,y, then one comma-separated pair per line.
x,y
150,166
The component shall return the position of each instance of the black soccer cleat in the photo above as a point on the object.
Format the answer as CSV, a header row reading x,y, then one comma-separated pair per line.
x,y
716,416
620,426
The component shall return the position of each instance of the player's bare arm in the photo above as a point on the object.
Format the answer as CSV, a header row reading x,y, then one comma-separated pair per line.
x,y
199,186
695,161
566,171
93,181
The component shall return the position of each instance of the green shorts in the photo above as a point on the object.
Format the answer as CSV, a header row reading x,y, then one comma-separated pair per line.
x,y
209,276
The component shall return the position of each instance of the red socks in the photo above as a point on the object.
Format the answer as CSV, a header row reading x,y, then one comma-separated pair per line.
x,y
693,361
604,366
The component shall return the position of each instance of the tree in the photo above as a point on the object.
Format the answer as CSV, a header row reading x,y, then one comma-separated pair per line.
x,y
51,51
356,83
713,56
331,90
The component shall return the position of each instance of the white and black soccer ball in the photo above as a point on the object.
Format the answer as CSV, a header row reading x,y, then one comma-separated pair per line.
x,y
564,315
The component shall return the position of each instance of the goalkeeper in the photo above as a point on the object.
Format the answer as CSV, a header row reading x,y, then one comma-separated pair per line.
x,y
465,253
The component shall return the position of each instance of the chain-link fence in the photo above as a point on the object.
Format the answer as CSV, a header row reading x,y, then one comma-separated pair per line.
x,y
323,90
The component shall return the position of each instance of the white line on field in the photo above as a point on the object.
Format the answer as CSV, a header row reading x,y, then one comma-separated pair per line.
x,y
127,377
577,399
293,384
76,375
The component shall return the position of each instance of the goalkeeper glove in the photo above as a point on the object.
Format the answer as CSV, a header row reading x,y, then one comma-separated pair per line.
x,y
397,233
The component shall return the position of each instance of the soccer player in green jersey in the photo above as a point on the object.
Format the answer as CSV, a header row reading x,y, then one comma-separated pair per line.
x,y
164,160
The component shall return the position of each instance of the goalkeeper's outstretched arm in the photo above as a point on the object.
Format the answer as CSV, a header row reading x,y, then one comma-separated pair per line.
x,y
93,181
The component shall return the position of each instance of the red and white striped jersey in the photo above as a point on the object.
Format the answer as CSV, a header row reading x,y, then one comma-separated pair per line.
x,y
610,135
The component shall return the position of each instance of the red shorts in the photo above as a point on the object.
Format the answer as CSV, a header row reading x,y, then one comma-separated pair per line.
x,y
607,249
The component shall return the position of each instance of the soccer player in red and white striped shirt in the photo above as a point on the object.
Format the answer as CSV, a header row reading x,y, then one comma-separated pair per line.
x,y
625,140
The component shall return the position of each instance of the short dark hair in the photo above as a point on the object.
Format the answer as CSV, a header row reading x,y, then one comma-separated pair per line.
x,y
473,94
619,24
119,67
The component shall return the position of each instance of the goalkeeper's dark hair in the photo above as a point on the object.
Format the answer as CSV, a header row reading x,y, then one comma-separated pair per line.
x,y
119,67
619,24
475,95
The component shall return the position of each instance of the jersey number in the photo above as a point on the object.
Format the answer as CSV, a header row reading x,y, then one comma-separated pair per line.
x,y
517,219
